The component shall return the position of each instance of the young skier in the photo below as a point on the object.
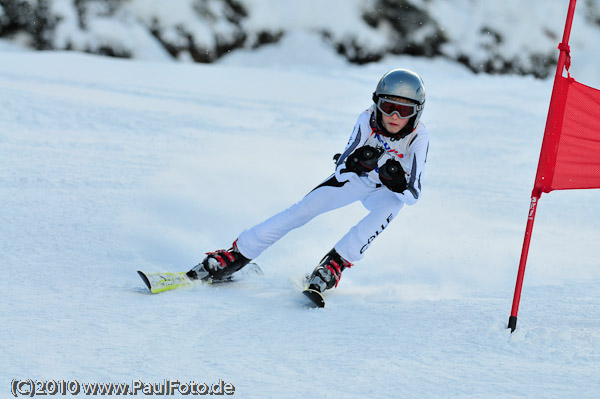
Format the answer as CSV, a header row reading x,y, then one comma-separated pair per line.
x,y
382,167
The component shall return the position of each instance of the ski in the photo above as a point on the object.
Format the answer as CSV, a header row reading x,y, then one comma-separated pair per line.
x,y
316,298
158,282
165,281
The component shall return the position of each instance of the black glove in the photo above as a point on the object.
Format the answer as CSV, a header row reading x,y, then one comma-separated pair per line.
x,y
363,159
392,176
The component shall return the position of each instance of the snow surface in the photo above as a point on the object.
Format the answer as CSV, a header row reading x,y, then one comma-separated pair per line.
x,y
108,166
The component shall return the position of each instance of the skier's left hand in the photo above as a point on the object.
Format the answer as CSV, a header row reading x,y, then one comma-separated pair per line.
x,y
392,176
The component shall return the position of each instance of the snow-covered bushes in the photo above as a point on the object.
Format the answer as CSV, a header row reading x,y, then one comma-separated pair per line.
x,y
496,36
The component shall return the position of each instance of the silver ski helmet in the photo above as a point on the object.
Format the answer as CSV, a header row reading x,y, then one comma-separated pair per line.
x,y
405,84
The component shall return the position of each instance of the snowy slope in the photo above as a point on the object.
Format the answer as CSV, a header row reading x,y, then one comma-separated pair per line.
x,y
109,166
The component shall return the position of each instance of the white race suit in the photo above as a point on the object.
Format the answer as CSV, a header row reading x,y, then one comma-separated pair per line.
x,y
343,188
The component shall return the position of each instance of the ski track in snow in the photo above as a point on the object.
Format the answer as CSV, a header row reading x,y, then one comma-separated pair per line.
x,y
109,166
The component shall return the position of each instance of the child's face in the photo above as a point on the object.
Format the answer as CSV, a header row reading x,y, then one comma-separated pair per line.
x,y
393,124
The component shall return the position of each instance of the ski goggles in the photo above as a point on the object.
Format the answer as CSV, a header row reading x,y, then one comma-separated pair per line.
x,y
404,110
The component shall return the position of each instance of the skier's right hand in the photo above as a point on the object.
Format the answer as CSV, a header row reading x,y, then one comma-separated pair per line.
x,y
363,159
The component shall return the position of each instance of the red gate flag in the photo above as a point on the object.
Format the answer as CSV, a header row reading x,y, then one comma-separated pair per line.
x,y
570,155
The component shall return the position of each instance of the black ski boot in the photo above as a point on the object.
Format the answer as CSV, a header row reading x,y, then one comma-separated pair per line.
x,y
219,265
327,275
